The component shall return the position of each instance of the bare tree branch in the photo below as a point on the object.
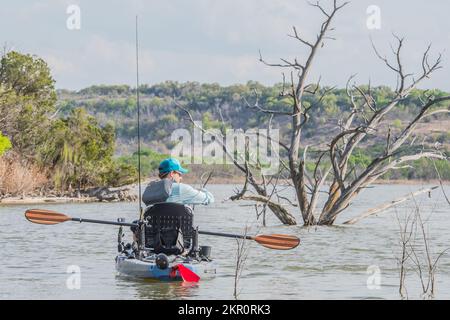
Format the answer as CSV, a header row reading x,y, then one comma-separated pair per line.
x,y
388,205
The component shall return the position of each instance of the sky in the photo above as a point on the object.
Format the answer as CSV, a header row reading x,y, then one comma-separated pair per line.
x,y
212,41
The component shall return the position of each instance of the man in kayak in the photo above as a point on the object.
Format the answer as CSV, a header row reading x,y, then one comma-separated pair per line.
x,y
170,189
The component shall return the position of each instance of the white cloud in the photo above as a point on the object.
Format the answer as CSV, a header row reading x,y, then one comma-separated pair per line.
x,y
217,41
58,65
98,60
251,20
118,55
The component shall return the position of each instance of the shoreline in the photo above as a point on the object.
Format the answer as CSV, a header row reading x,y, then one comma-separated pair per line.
x,y
45,200
26,200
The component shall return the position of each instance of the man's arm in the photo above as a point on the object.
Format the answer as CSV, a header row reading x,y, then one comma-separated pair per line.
x,y
185,194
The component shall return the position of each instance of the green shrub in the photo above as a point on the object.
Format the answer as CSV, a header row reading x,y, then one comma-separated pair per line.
x,y
5,144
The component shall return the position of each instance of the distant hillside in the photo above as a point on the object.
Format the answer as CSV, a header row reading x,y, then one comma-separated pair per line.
x,y
215,105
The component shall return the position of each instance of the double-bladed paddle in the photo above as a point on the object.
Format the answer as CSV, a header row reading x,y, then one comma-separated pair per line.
x,y
272,241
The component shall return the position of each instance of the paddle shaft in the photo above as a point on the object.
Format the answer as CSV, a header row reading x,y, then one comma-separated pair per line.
x,y
228,235
105,222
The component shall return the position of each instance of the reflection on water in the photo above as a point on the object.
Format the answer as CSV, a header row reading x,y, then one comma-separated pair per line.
x,y
330,263
157,290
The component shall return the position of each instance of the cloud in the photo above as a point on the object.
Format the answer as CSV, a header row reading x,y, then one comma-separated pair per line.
x,y
217,41
205,67
59,65
97,60
118,54
250,21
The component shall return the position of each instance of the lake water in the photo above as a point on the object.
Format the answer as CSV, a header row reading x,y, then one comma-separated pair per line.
x,y
339,262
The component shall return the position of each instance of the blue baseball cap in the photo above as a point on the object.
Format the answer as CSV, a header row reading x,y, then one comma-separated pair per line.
x,y
171,164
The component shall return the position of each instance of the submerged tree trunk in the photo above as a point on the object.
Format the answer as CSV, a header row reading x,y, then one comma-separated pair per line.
x,y
281,213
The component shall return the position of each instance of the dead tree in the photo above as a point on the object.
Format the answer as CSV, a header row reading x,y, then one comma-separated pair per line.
x,y
242,252
416,254
406,231
362,123
343,186
242,163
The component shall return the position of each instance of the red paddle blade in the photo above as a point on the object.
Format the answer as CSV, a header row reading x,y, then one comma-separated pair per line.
x,y
187,274
278,241
43,216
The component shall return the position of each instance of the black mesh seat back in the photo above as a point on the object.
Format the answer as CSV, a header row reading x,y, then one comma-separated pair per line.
x,y
166,216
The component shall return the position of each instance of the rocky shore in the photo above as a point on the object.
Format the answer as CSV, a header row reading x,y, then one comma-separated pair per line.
x,y
101,194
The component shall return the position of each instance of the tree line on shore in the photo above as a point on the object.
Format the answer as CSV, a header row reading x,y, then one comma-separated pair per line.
x,y
41,149
218,107
66,140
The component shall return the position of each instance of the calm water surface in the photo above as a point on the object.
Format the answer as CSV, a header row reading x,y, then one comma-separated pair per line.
x,y
331,262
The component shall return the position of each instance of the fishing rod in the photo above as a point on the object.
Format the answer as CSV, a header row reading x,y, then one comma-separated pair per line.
x,y
138,123
141,242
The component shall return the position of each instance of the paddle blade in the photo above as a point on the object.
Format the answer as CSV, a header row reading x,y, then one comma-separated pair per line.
x,y
48,217
187,274
277,241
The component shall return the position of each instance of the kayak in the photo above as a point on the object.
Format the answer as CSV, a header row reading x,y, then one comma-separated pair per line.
x,y
149,268
162,262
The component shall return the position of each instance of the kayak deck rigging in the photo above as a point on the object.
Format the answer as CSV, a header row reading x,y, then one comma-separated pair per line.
x,y
165,246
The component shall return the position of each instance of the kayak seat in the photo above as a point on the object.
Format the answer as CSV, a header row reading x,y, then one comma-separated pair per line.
x,y
169,228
